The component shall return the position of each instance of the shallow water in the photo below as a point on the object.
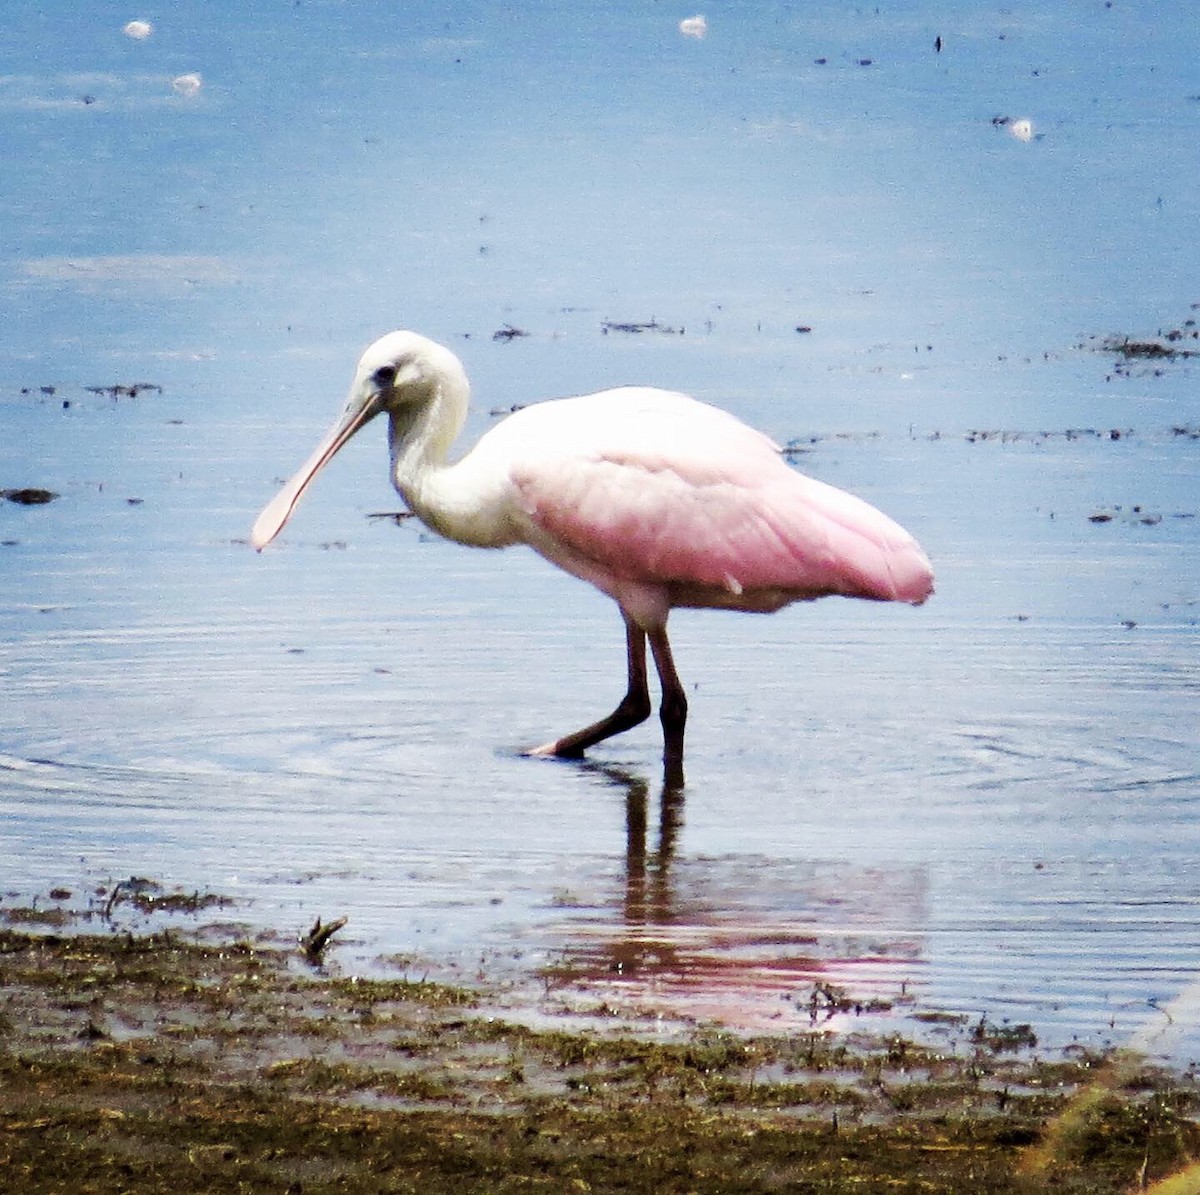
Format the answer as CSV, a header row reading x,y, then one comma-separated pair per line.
x,y
982,806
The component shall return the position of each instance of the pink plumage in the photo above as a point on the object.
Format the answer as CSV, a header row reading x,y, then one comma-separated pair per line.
x,y
657,499
651,491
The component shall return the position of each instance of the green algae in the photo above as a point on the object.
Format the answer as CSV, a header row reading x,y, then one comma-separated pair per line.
x,y
164,1063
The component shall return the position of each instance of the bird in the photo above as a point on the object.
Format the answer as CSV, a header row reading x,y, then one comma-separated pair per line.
x,y
657,499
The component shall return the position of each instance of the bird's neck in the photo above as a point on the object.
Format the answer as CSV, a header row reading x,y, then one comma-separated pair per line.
x,y
422,432
422,435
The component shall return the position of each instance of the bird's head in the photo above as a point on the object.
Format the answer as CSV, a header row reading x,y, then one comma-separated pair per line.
x,y
400,373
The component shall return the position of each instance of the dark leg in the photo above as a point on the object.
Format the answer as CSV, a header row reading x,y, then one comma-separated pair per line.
x,y
673,710
633,710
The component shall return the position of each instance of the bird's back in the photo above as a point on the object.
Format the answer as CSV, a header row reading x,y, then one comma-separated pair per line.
x,y
647,487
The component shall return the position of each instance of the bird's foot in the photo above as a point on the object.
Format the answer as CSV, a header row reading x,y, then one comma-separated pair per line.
x,y
554,750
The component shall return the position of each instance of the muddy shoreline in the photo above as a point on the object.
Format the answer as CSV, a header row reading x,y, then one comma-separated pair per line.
x,y
192,1056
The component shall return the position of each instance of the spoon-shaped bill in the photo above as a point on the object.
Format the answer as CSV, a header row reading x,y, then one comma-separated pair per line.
x,y
277,512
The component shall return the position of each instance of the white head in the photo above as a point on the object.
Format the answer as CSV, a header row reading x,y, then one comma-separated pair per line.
x,y
398,367
401,373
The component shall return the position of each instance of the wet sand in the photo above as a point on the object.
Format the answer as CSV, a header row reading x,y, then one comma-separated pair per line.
x,y
194,1057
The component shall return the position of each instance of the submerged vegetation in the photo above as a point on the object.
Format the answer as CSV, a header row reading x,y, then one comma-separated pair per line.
x,y
209,1061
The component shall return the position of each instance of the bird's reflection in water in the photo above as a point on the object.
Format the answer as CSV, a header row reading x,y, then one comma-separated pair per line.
x,y
648,874
741,940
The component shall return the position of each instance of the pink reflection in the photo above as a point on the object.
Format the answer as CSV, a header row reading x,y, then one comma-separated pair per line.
x,y
749,944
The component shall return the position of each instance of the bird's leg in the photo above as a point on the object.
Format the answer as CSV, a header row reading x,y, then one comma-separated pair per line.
x,y
673,710
633,709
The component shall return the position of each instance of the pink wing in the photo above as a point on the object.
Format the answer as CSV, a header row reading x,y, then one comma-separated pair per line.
x,y
662,490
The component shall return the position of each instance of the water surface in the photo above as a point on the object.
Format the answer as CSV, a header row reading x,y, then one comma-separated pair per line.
x,y
981,806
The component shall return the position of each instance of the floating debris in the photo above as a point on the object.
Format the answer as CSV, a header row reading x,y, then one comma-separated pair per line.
x,y
1164,347
508,332
1134,515
149,896
396,516
978,435
317,939
634,328
1187,431
800,446
188,85
1021,127
29,496
1003,1037
43,392
1152,349
124,391
827,1000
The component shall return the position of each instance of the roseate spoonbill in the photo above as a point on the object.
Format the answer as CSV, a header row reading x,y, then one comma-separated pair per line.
x,y
658,500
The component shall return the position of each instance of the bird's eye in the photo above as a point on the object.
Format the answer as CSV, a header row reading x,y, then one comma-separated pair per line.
x,y
384,376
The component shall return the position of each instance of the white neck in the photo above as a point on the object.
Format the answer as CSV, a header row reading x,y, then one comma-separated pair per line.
x,y
455,500
422,432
